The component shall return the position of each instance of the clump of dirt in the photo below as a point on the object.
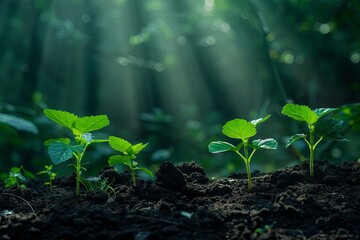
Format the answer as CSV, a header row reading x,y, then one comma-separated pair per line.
x,y
184,204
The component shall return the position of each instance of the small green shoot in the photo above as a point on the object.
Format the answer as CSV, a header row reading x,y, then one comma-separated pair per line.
x,y
129,153
95,183
323,128
243,130
63,149
48,171
16,177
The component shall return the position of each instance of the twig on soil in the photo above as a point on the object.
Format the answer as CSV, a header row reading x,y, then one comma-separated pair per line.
x,y
13,195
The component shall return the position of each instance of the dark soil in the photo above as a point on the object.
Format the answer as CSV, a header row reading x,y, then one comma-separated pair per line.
x,y
184,204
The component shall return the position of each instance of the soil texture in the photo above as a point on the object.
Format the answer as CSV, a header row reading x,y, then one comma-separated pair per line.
x,y
183,203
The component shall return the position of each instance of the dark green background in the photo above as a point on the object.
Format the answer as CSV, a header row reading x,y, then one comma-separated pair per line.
x,y
172,72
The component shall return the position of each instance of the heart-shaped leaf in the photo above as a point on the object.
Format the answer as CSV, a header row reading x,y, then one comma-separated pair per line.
x,y
239,129
268,143
300,113
60,152
295,138
62,118
91,123
220,146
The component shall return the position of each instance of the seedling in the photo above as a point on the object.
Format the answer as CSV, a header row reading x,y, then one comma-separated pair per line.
x,y
63,149
324,129
129,153
16,177
48,171
243,130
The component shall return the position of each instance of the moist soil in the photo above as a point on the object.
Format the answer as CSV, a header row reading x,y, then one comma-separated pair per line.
x,y
183,203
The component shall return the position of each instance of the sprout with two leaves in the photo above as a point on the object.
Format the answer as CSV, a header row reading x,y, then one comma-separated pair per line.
x,y
323,128
127,158
243,130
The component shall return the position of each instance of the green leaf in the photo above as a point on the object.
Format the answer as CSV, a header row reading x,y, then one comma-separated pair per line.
x,y
300,113
260,120
328,127
220,146
295,138
28,174
323,111
138,147
91,123
119,159
239,129
51,140
268,143
18,123
62,118
60,152
119,144
145,170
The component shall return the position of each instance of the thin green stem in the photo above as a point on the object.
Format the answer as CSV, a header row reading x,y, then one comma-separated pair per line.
x,y
311,146
247,159
78,168
248,170
133,178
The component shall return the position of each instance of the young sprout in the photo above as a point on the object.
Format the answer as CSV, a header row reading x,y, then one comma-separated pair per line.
x,y
16,177
129,153
62,149
243,130
323,128
48,171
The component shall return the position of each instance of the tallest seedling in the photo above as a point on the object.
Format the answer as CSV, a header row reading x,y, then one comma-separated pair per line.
x,y
243,130
62,149
324,129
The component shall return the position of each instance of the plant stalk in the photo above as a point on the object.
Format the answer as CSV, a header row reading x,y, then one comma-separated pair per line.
x,y
247,164
248,175
311,146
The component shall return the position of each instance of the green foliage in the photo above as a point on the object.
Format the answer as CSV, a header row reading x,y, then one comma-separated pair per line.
x,y
17,123
16,177
51,175
129,153
94,184
243,130
324,129
63,149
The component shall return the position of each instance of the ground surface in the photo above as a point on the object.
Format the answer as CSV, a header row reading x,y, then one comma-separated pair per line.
x,y
184,204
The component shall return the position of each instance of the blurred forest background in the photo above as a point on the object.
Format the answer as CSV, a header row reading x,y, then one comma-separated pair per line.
x,y
172,72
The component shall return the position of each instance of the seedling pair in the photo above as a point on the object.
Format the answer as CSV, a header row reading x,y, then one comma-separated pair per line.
x,y
63,149
243,130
